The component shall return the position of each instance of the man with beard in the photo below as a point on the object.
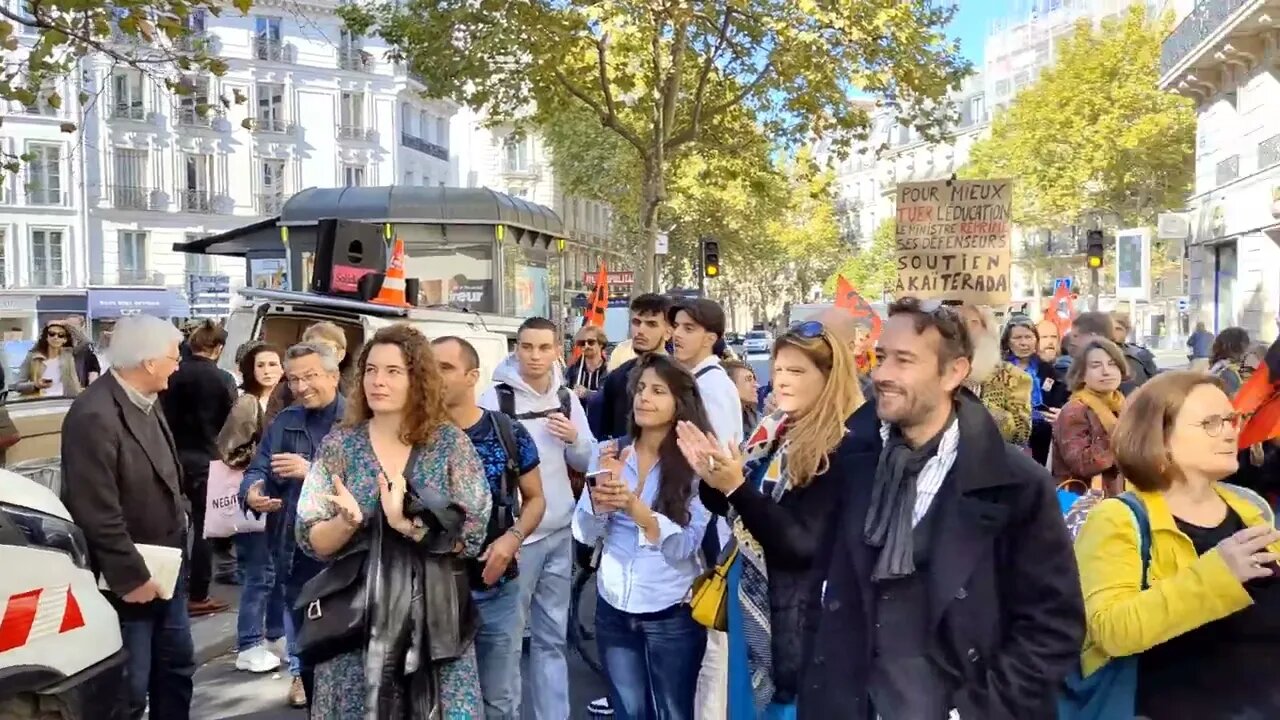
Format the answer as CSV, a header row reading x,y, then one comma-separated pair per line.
x,y
952,584
649,332
1049,341
1001,386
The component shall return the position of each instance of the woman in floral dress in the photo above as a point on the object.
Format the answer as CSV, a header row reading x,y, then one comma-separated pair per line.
x,y
397,404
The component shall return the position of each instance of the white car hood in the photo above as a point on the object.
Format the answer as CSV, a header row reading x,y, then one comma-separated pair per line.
x,y
24,492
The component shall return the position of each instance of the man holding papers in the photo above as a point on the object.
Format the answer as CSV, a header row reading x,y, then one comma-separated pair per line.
x,y
121,480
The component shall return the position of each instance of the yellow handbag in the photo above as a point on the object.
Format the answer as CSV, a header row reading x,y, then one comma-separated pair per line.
x,y
710,595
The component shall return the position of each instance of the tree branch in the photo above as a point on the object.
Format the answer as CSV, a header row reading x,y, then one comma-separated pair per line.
x,y
602,61
691,132
700,93
606,118
671,87
35,21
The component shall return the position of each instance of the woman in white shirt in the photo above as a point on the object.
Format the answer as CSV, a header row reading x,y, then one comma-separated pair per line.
x,y
50,368
645,513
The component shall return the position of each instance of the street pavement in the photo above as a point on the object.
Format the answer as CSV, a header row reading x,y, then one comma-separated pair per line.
x,y
223,693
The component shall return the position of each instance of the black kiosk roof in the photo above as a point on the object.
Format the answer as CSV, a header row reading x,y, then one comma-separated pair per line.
x,y
527,222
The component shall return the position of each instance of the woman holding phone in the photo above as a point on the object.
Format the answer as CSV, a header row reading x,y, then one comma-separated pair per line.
x,y
642,507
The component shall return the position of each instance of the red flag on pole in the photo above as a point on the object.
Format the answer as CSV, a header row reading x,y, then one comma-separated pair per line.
x,y
1061,310
1258,400
862,312
596,305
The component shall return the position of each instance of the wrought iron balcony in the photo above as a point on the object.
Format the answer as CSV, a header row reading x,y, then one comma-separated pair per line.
x,y
1227,170
356,132
1205,20
195,200
46,196
1269,152
130,197
273,49
416,143
191,116
128,110
270,125
355,59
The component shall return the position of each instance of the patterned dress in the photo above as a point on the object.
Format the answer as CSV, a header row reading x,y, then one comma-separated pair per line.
x,y
449,466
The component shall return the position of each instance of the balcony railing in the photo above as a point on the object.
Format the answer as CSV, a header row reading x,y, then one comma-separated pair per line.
x,y
46,196
270,125
195,201
128,110
1269,152
1227,170
130,197
356,132
353,58
190,116
271,203
265,48
41,107
520,167
1206,19
416,143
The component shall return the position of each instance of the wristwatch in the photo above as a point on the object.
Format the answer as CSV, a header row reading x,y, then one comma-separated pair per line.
x,y
518,533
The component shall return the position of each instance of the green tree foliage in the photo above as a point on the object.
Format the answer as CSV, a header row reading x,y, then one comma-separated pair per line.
x,y
1095,133
664,76
45,41
873,269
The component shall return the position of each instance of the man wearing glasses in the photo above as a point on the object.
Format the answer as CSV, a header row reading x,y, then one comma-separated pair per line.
x,y
273,481
586,374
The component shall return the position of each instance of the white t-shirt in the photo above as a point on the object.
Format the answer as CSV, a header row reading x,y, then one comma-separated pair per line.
x,y
53,373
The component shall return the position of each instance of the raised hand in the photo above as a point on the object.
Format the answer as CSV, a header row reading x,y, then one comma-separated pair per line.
x,y
344,503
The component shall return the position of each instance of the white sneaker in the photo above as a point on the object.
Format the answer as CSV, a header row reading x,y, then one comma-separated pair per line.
x,y
279,648
257,659
599,708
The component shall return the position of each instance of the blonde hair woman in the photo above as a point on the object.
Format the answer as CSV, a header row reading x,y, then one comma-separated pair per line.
x,y
780,492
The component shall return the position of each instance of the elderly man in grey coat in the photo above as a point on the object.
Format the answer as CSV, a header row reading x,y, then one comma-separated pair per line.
x,y
122,483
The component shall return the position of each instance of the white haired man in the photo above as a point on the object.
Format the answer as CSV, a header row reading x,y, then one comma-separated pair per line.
x,y
122,483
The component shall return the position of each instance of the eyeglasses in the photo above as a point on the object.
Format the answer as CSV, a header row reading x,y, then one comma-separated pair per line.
x,y
58,335
1214,424
586,343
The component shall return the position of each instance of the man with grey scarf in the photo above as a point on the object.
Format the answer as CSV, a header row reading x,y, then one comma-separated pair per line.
x,y
951,587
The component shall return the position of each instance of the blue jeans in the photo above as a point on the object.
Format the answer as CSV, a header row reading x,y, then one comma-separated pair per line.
x,y
498,650
261,597
161,662
546,567
651,660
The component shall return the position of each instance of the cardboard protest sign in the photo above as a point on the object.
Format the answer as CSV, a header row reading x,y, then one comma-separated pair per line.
x,y
953,240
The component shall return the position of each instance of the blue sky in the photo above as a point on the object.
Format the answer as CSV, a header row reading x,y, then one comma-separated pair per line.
x,y
971,23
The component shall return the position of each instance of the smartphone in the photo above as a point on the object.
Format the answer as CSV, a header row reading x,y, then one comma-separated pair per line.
x,y
592,478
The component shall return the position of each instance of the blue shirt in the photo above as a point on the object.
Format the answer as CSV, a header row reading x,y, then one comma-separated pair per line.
x,y
493,456
635,575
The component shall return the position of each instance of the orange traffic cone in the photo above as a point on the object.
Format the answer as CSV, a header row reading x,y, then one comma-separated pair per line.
x,y
392,292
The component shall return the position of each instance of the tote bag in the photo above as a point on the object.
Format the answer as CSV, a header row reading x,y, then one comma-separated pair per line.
x,y
1109,693
223,516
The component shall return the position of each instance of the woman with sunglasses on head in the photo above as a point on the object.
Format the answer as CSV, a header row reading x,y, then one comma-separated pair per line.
x,y
1020,345
780,492
49,369
1206,623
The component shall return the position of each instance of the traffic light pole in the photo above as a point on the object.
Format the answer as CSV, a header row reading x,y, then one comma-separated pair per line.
x,y
1094,283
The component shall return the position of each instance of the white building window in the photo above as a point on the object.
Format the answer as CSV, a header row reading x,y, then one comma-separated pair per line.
x,y
408,178
353,175
406,119
351,115
268,39
41,105
130,191
271,117
194,108
516,158
127,91
47,253
422,125
44,174
271,198
132,256
4,258
197,187
196,263
442,132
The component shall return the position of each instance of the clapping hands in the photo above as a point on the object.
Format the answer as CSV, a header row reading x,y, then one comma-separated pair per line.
x,y
720,468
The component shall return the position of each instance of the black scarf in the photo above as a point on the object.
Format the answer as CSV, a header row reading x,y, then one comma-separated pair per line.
x,y
893,499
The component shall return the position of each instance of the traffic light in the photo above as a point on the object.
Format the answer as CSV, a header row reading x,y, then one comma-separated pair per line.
x,y
1094,240
710,258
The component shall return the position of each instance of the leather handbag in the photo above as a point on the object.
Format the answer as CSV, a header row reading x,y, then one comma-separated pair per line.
x,y
709,602
335,605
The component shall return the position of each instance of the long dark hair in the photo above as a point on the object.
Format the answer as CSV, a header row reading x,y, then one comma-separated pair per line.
x,y
42,345
248,363
675,487
1020,321
1231,344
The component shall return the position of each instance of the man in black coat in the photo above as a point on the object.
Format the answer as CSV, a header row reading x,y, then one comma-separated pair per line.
x,y
951,583
649,333
122,482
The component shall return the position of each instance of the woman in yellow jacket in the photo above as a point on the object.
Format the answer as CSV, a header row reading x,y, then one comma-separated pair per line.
x,y
1207,629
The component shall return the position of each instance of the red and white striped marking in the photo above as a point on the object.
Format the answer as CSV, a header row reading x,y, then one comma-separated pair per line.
x,y
38,613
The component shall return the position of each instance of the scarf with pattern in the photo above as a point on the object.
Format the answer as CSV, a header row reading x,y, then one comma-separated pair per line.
x,y
766,461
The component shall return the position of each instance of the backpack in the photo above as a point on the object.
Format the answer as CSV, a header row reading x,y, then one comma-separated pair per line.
x,y
507,406
509,492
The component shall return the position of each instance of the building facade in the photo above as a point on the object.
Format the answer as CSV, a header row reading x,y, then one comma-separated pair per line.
x,y
1225,55
304,103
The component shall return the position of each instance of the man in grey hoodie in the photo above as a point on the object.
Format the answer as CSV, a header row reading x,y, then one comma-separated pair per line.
x,y
529,386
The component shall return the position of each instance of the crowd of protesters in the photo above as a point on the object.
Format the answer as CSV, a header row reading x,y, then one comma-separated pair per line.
x,y
932,523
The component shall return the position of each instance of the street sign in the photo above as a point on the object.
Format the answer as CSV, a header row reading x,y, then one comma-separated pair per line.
x,y
1133,263
662,245
1063,282
1184,304
209,295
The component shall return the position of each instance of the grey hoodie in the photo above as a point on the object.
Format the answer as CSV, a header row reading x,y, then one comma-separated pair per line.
x,y
554,456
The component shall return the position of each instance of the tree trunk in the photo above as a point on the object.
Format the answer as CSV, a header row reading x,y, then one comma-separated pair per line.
x,y
647,279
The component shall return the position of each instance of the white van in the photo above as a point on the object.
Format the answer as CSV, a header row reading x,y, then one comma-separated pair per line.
x,y
280,317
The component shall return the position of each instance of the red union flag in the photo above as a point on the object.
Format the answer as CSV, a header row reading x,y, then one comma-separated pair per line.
x,y
596,305
862,312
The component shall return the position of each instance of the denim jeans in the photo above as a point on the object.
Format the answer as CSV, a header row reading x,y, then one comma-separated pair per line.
x,y
161,661
261,597
651,660
498,650
546,567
